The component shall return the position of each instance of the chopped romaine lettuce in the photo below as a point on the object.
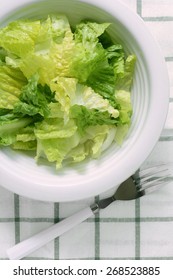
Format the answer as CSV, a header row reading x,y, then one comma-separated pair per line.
x,y
11,83
33,99
64,93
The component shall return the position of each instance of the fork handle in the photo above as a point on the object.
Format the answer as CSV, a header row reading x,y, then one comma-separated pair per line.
x,y
30,245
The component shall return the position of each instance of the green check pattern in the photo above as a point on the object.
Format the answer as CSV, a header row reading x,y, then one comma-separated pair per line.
x,y
141,229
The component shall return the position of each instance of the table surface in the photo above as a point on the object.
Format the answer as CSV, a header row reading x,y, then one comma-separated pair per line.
x,y
143,229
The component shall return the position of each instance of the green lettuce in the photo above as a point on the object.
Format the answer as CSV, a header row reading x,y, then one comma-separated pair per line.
x,y
19,36
56,139
34,99
11,82
65,93
51,49
65,89
10,127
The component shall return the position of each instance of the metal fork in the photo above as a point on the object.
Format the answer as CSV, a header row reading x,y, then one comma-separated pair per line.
x,y
136,186
141,183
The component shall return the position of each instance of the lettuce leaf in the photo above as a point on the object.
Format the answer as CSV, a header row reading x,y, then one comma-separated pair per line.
x,y
125,79
33,99
55,139
55,128
68,93
51,51
102,80
11,83
3,55
89,117
64,89
19,36
97,139
125,107
25,139
88,51
10,127
87,97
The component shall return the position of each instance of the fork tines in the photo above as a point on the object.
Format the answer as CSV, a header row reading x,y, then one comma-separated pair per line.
x,y
150,179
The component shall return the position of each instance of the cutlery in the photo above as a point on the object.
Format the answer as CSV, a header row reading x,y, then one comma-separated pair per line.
x,y
141,183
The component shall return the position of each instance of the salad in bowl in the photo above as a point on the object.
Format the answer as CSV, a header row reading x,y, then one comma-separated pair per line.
x,y
84,94
65,92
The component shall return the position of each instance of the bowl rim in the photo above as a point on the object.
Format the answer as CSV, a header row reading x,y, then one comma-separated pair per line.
x,y
155,60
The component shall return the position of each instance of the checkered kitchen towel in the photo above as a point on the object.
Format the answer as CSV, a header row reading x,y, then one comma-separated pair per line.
x,y
141,230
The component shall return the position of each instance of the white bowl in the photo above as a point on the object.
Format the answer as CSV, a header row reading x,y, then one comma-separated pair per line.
x,y
19,172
